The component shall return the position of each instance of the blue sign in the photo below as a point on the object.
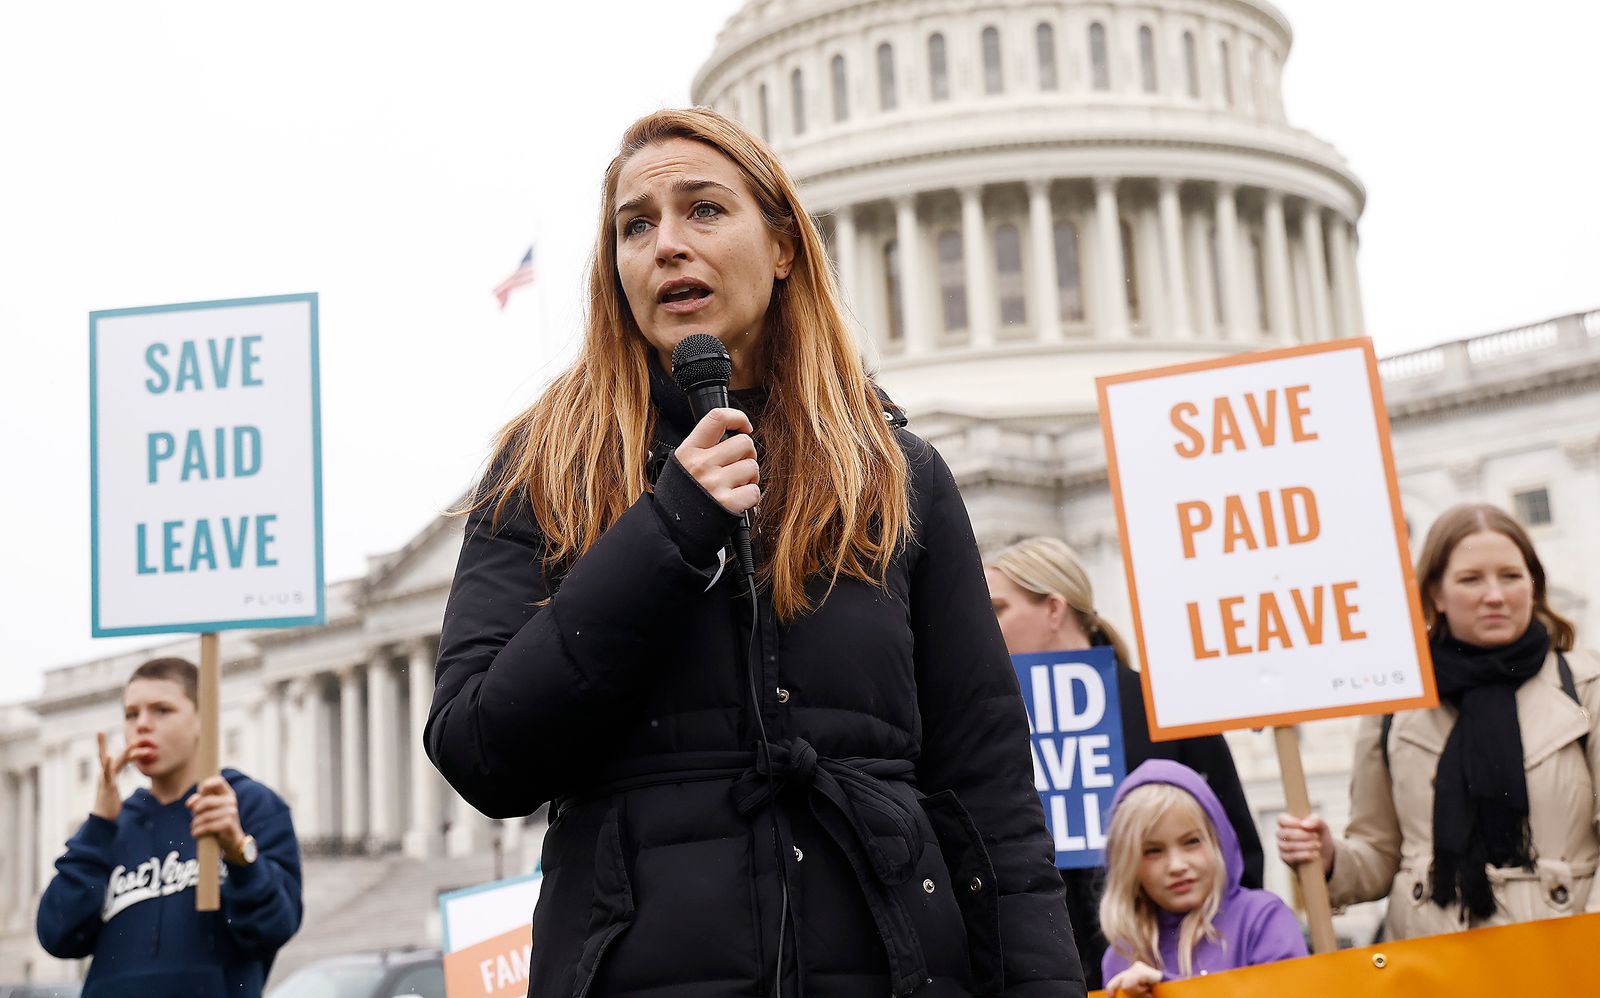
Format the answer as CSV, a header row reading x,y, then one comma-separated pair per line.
x,y
1076,725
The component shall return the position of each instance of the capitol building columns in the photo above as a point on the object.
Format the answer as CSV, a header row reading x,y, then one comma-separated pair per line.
x,y
908,272
384,747
1342,262
1317,266
1275,246
1229,277
1148,257
1170,207
63,809
269,739
1041,232
1112,299
352,753
978,268
306,790
354,767
1202,275
28,835
19,858
423,836
846,250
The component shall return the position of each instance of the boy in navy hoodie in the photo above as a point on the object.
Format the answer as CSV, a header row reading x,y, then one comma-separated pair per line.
x,y
122,893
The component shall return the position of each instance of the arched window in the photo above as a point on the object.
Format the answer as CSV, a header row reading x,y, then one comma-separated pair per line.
x,y
886,96
1258,273
1191,68
952,282
993,80
1068,280
841,91
765,121
1147,59
938,73
891,291
1009,284
1099,61
1045,37
797,101
1130,271
1227,73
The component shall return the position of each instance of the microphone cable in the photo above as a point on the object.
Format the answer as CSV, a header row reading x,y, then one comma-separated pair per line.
x,y
753,663
701,367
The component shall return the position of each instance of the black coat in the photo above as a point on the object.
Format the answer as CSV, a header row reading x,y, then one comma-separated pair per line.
x,y
1207,755
913,845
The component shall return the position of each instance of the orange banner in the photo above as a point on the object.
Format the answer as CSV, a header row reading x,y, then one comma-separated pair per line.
x,y
494,968
1549,957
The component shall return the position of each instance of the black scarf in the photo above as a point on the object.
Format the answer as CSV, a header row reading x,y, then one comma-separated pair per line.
x,y
1480,795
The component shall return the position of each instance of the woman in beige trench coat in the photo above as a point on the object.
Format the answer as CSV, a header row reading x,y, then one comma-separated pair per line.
x,y
1453,831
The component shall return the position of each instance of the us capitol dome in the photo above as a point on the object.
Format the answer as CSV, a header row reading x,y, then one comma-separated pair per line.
x,y
1021,196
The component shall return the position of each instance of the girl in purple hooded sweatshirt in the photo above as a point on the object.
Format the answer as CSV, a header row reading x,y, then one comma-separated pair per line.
x,y
1173,906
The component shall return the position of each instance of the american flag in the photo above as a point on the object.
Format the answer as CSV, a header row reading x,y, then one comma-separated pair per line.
x,y
523,275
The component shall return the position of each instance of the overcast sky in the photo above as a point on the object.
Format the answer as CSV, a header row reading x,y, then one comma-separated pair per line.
x,y
399,158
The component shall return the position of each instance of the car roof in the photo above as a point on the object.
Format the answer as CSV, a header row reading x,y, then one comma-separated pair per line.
x,y
384,958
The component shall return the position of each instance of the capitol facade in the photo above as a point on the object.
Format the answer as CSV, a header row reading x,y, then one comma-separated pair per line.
x,y
1018,197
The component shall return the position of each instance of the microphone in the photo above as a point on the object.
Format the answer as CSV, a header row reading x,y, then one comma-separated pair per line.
x,y
701,367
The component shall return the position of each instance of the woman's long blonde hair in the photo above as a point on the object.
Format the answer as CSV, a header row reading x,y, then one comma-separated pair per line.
x,y
1127,915
1047,565
835,481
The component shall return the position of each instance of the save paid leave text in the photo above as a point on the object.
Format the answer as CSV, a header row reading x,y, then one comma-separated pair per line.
x,y
195,455
1231,524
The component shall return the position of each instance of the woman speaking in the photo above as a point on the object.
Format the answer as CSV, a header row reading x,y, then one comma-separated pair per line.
x,y
824,789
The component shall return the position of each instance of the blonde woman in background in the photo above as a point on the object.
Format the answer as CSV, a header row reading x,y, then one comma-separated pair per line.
x,y
1044,601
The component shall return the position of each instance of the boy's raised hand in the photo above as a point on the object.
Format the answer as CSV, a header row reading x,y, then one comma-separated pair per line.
x,y
107,798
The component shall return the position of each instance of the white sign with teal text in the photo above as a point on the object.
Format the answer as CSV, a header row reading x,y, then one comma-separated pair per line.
x,y
205,466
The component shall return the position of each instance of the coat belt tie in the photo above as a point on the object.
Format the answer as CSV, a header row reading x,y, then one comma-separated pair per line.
x,y
876,832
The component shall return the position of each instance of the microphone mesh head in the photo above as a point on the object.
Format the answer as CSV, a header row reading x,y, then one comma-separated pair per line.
x,y
701,359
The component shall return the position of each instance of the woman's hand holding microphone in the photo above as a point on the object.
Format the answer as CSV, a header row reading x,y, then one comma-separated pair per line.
x,y
726,469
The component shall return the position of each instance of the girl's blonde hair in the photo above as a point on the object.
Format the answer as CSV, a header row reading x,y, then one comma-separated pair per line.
x,y
1127,915
1048,565
834,490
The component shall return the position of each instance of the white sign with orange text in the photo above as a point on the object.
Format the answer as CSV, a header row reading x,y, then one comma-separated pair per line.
x,y
488,938
1263,540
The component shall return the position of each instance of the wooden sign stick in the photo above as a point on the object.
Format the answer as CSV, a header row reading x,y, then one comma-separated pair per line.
x,y
208,852
1313,886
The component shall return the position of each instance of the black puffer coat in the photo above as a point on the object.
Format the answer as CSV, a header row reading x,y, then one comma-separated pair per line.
x,y
896,788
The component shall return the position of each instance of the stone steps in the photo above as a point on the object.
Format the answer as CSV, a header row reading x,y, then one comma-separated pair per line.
x,y
358,905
